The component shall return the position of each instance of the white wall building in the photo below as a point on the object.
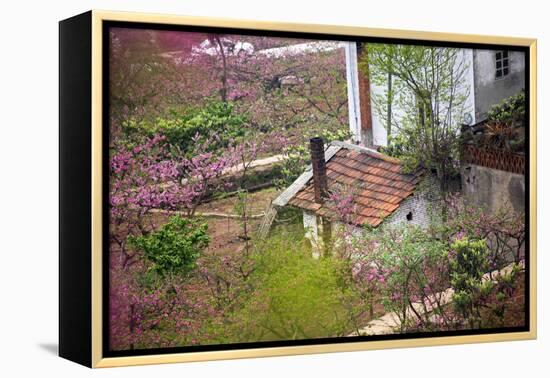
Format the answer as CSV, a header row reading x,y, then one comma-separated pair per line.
x,y
489,77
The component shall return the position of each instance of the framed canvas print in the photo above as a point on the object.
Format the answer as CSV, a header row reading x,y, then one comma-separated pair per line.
x,y
234,189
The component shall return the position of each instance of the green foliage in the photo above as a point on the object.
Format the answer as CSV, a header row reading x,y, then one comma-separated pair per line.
x,y
427,89
470,262
505,127
175,247
505,287
509,110
292,296
332,135
217,122
468,266
415,266
297,158
400,146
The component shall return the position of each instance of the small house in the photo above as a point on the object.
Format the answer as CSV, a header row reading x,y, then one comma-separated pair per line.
x,y
383,193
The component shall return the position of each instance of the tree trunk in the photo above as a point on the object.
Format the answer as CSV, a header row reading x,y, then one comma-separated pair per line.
x,y
224,90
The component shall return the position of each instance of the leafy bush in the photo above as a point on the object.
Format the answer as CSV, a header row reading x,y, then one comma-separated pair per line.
x,y
468,266
480,299
175,247
504,290
402,147
505,126
296,160
509,110
216,121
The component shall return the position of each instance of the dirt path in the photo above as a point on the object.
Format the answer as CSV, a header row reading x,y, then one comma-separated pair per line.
x,y
256,163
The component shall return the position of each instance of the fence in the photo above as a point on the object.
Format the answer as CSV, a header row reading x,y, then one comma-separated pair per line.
x,y
496,159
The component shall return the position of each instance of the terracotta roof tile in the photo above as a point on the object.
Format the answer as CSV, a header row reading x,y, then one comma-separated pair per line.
x,y
377,181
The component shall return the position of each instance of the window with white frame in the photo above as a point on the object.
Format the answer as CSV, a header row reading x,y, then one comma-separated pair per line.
x,y
502,64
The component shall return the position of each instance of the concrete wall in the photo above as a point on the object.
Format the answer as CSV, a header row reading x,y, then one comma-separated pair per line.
x,y
488,89
492,188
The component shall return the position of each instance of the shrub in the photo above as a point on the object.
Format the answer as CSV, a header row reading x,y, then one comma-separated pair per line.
x,y
480,299
175,247
470,262
505,126
214,119
509,110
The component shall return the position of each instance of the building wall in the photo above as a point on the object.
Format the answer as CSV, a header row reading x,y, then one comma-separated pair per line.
x,y
418,206
489,90
492,188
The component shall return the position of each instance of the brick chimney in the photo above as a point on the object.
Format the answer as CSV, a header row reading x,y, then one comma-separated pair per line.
x,y
367,138
317,150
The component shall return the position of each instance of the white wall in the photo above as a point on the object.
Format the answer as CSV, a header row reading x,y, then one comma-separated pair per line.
x,y
28,156
419,205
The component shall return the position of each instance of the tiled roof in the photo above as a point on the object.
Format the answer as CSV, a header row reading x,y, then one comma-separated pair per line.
x,y
377,182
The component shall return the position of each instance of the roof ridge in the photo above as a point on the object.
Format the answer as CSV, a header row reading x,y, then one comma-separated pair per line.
x,y
369,151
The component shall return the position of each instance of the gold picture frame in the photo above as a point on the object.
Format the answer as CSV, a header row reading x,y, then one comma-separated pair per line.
x,y
90,329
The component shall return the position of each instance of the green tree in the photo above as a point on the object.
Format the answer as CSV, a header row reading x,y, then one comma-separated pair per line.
x,y
424,105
